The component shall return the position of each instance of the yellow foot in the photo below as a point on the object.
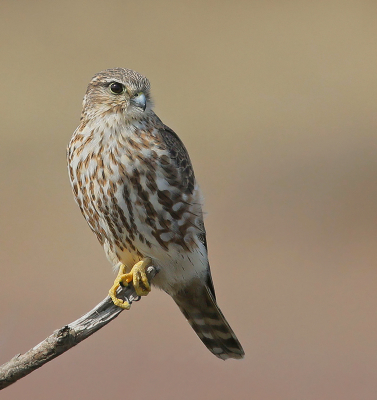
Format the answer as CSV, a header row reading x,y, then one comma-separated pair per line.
x,y
138,277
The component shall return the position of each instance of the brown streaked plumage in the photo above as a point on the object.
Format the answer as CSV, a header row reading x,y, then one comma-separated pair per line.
x,y
134,183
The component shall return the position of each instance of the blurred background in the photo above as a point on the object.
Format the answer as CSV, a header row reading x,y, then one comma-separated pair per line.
x,y
276,103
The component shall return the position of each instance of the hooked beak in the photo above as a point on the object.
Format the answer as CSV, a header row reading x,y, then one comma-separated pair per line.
x,y
139,100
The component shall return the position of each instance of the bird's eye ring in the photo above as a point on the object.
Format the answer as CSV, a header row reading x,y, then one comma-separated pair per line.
x,y
116,88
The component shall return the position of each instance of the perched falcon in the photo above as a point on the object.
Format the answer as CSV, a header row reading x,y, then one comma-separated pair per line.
x,y
134,183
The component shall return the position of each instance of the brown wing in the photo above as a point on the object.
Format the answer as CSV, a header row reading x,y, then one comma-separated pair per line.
x,y
181,159
203,239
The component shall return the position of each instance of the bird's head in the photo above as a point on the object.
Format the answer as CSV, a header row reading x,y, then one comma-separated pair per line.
x,y
118,92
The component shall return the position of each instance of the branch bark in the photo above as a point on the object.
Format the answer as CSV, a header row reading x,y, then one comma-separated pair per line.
x,y
68,336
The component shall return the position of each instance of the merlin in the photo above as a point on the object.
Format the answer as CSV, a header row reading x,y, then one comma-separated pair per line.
x,y
134,182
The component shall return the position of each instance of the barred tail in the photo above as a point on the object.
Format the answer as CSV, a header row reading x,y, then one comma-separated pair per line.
x,y
199,307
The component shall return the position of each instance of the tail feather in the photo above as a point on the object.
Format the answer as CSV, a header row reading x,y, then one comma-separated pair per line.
x,y
199,307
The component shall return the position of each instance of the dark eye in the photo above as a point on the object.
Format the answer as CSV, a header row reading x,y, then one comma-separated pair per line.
x,y
116,88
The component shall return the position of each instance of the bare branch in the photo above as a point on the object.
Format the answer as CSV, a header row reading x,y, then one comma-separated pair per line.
x,y
67,337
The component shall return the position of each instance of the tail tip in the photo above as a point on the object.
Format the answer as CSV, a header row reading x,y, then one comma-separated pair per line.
x,y
236,355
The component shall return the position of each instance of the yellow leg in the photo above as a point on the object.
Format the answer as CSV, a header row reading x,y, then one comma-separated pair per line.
x,y
136,275
113,291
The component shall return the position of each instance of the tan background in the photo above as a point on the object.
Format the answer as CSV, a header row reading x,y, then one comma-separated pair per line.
x,y
276,102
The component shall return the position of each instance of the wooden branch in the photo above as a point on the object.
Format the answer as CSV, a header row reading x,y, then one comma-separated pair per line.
x,y
68,336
